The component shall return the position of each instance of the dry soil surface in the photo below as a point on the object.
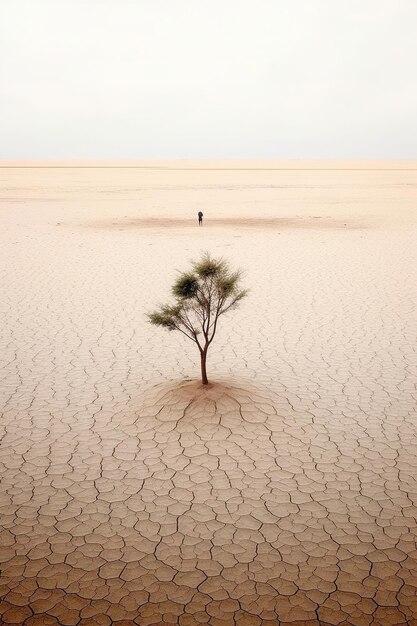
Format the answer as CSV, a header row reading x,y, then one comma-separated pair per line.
x,y
283,493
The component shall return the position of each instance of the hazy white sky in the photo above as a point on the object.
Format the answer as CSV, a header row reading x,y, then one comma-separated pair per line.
x,y
208,79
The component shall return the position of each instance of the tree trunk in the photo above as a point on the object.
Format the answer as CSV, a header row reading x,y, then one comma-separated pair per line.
x,y
203,355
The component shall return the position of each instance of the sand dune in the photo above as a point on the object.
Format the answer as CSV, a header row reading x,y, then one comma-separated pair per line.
x,y
286,491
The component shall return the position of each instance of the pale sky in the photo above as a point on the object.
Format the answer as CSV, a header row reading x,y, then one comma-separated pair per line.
x,y
292,79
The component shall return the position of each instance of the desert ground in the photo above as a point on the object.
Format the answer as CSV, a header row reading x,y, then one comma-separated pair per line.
x,y
285,492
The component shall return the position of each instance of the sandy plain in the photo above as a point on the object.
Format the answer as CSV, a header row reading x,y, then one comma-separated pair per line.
x,y
286,492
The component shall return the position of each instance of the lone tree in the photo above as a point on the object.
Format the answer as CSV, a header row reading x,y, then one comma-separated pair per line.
x,y
202,295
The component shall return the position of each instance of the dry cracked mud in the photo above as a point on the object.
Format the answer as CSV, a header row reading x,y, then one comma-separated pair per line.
x,y
285,493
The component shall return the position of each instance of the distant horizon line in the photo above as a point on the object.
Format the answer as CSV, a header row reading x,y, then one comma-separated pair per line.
x,y
210,164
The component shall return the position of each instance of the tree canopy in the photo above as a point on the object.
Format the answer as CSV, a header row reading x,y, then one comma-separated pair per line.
x,y
201,296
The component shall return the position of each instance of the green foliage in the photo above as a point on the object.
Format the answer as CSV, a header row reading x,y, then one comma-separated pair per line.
x,y
167,316
209,267
202,296
185,286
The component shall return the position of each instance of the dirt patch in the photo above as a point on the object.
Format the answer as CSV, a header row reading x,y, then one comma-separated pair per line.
x,y
279,223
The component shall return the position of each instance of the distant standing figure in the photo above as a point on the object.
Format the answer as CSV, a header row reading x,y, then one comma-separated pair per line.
x,y
200,218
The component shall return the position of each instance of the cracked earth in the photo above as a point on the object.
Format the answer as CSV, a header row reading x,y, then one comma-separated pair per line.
x,y
285,493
